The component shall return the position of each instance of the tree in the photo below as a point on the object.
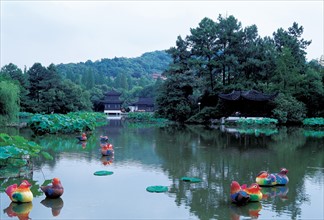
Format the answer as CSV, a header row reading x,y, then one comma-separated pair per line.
x,y
71,97
173,100
180,56
12,72
9,101
204,48
292,39
310,90
229,36
286,74
36,75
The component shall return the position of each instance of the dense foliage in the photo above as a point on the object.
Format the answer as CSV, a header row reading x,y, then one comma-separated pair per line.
x,y
222,56
9,101
67,88
257,121
16,152
69,123
313,122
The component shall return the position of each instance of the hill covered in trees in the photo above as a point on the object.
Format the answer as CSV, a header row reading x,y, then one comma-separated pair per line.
x,y
78,86
106,70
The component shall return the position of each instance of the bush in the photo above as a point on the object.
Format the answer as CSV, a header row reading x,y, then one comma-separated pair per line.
x,y
144,117
313,121
204,116
288,109
257,121
72,122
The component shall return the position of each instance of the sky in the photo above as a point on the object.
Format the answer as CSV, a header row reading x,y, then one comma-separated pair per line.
x,y
73,31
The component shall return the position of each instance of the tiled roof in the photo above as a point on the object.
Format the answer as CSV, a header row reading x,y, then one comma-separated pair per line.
x,y
144,101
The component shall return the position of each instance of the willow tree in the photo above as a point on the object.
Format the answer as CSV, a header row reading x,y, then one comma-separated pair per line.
x,y
9,101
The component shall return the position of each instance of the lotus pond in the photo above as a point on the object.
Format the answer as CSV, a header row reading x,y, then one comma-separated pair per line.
x,y
147,156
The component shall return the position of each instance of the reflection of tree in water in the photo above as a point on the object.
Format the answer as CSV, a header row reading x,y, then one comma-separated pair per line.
x,y
218,159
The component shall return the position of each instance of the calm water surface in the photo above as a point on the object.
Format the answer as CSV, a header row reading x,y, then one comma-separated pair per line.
x,y
146,156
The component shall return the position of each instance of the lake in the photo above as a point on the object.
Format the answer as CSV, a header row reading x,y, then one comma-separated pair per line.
x,y
147,156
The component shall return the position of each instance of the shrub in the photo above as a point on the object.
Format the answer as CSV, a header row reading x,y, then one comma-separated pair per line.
x,y
72,122
313,121
16,151
288,109
144,117
258,121
204,116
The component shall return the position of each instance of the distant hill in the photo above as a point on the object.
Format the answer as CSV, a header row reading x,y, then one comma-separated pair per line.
x,y
143,66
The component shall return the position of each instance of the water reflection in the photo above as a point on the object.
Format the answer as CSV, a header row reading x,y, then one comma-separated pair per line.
x,y
83,144
164,155
55,204
107,160
20,210
273,192
251,210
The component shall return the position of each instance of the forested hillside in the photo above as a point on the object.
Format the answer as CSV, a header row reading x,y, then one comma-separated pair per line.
x,y
72,87
107,69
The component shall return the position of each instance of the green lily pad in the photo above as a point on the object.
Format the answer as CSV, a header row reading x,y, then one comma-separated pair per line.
x,y
157,189
103,173
191,179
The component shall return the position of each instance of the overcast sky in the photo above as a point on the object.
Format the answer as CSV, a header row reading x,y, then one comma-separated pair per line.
x,y
77,31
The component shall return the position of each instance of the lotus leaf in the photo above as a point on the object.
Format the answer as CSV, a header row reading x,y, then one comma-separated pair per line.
x,y
47,155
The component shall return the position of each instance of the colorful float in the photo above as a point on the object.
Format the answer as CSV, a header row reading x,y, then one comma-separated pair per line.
x,y
20,193
107,149
83,137
238,195
55,190
104,139
254,190
265,178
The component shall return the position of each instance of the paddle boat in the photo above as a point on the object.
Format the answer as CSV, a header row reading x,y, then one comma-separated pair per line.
x,y
55,190
238,195
254,191
83,137
107,149
20,193
265,178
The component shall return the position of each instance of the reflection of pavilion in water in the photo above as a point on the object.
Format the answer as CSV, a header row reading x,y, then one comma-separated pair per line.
x,y
116,122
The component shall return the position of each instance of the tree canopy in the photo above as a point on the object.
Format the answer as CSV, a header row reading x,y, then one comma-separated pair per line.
x,y
222,56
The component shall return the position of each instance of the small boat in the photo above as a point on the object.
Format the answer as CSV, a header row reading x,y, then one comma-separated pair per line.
x,y
104,139
265,178
83,137
107,149
254,190
20,193
238,196
55,190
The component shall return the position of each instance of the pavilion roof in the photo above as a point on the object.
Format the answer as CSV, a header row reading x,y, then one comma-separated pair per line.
x,y
251,95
